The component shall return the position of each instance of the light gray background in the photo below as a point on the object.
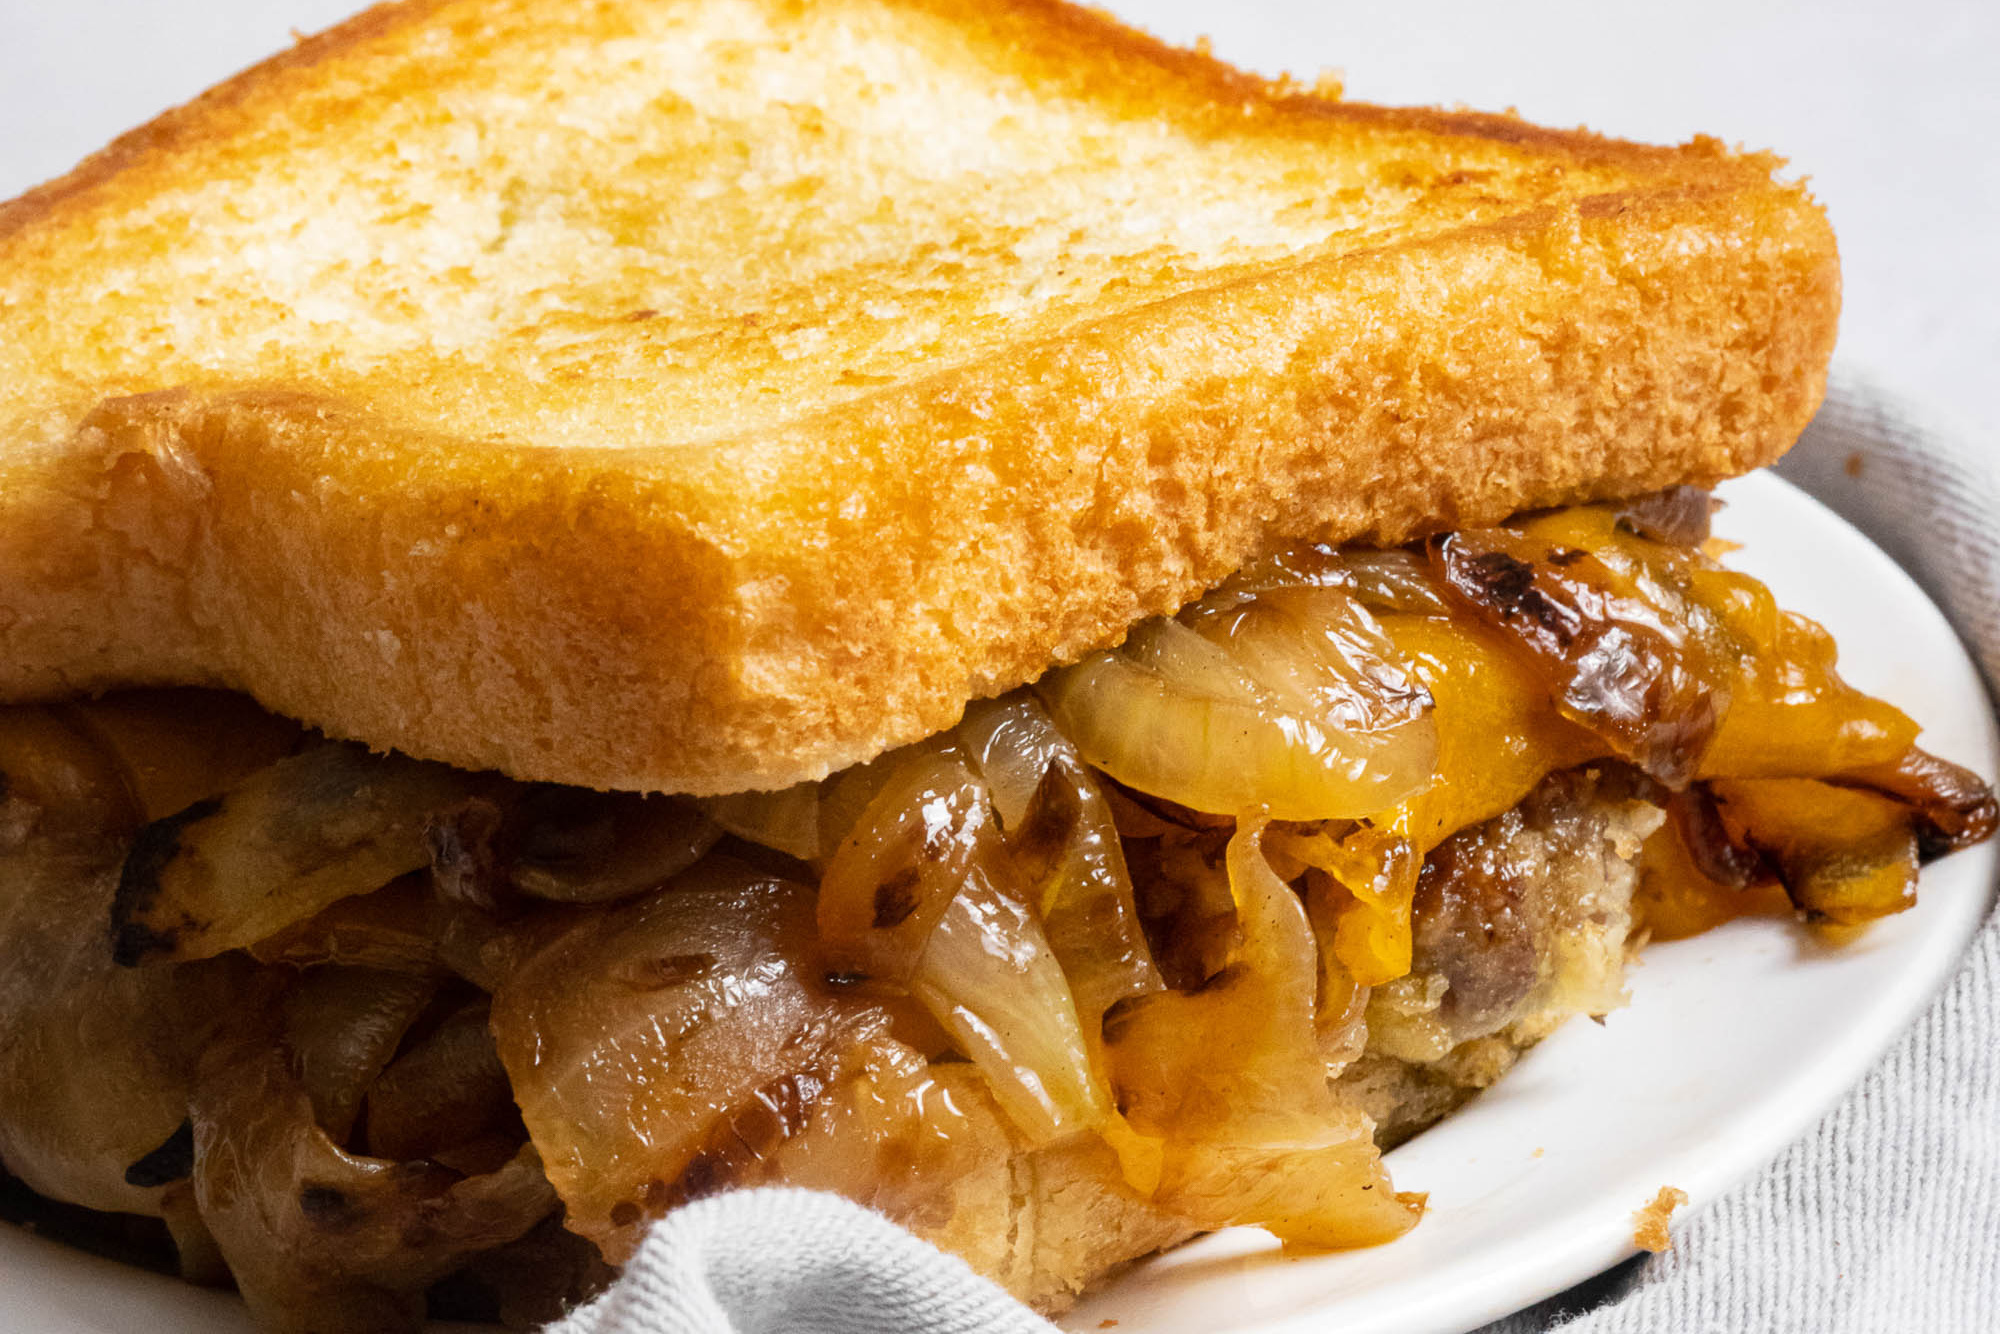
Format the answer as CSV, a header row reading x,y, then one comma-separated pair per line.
x,y
1890,108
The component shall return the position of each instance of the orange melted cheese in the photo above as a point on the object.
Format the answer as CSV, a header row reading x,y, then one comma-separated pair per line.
x,y
1745,702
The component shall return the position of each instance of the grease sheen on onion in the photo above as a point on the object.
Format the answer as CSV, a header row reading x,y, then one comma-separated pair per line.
x,y
1288,697
1231,1077
1059,828
924,893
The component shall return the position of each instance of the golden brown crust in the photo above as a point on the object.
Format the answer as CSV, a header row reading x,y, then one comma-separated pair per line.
x,y
586,503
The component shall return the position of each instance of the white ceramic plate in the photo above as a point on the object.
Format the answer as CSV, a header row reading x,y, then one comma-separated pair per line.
x,y
1733,1044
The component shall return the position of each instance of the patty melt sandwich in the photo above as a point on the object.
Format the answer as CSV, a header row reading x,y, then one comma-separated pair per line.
x,y
933,600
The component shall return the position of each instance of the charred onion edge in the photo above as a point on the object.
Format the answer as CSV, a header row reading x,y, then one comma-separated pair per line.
x,y
1696,818
1964,809
172,1161
1504,583
153,849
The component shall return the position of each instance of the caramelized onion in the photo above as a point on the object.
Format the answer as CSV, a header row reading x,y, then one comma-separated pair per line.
x,y
1065,843
1188,911
323,1240
573,846
1396,580
561,844
1622,655
95,1060
540,1278
900,864
1316,649
634,1034
177,746
1713,849
199,1258
924,892
1846,857
786,820
678,1022
1340,1014
1012,743
1230,1077
1953,808
54,778
990,979
925,1143
310,830
1694,875
395,928
1376,873
341,1027
468,854
448,1091
1679,515
1288,697
1686,669
845,795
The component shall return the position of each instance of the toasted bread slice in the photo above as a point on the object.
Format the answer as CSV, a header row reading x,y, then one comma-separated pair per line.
x,y
704,395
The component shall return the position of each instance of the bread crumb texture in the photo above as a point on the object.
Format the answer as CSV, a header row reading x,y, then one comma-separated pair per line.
x,y
1649,1225
703,395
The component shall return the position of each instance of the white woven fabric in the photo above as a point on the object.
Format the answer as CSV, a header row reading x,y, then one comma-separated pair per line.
x,y
1885,1218
795,1262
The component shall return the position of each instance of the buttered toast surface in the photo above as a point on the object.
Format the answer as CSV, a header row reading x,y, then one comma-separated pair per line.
x,y
706,395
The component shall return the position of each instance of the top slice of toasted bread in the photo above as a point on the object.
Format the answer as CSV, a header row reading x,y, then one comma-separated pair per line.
x,y
707,394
